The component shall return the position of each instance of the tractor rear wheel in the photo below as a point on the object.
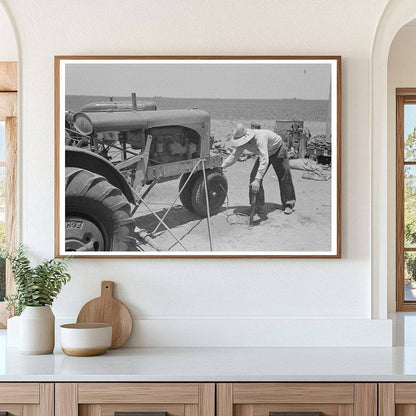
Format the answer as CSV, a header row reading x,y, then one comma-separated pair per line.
x,y
186,194
217,186
97,214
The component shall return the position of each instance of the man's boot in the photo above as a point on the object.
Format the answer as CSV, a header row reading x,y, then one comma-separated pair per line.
x,y
261,212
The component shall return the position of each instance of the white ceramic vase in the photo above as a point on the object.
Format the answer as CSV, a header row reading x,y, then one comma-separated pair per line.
x,y
37,330
13,331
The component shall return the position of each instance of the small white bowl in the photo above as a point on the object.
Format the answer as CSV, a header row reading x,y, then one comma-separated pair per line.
x,y
84,340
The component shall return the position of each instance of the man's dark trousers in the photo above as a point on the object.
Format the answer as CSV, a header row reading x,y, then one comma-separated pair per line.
x,y
281,166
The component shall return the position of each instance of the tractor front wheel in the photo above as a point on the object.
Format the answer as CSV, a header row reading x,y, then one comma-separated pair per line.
x,y
217,186
186,194
97,214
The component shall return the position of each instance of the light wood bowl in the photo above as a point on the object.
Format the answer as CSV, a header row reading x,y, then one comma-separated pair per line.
x,y
85,340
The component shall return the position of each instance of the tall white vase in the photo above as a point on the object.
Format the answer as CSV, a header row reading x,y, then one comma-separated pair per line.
x,y
13,331
37,330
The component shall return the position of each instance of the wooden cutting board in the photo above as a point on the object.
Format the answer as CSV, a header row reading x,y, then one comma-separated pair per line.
x,y
107,309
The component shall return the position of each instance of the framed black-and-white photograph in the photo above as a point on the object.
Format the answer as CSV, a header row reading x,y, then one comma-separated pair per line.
x,y
198,156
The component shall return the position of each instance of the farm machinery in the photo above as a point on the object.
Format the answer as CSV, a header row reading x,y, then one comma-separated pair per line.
x,y
115,154
294,135
304,145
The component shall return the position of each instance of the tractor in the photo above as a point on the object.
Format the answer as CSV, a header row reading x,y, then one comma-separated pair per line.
x,y
116,152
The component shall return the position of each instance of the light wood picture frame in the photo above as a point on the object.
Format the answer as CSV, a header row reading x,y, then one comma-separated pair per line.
x,y
141,143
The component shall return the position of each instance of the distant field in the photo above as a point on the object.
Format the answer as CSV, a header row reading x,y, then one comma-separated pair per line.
x,y
309,110
225,113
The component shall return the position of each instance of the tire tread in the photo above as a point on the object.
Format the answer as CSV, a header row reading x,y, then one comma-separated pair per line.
x,y
81,183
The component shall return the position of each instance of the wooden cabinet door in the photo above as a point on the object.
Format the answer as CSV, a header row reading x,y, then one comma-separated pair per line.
x,y
27,399
152,399
297,399
397,399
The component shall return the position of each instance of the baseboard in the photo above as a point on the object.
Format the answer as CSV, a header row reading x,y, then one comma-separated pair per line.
x,y
248,332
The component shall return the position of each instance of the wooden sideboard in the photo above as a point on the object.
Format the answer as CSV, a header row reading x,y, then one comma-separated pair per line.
x,y
208,399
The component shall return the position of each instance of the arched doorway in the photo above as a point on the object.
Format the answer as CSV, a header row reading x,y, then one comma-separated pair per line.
x,y
396,14
8,148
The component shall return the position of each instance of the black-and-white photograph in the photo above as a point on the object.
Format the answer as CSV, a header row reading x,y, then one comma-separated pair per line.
x,y
220,157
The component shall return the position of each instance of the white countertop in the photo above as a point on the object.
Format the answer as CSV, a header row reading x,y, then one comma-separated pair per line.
x,y
213,364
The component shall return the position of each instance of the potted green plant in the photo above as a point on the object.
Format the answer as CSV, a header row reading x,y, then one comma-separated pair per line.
x,y
36,289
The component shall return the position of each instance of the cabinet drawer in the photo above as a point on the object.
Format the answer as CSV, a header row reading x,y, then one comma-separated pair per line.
x,y
19,393
397,399
147,399
142,409
297,399
138,393
21,399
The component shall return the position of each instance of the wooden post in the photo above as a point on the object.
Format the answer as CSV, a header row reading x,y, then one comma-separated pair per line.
x,y
386,399
8,76
66,399
11,199
224,399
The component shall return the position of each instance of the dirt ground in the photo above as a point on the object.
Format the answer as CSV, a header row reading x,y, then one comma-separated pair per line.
x,y
307,229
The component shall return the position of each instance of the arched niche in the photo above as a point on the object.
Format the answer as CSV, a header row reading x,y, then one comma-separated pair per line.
x,y
9,53
396,14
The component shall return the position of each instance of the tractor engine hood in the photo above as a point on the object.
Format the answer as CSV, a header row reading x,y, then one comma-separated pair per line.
x,y
118,106
94,122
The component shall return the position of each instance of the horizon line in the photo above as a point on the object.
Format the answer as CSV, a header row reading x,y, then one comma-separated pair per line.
x,y
201,98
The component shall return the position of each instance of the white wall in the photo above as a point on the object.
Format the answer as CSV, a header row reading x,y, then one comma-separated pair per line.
x,y
181,301
8,47
401,74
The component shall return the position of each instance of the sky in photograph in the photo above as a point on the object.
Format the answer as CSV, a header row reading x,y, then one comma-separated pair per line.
x,y
206,80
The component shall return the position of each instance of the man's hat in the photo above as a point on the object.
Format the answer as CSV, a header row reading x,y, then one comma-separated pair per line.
x,y
241,136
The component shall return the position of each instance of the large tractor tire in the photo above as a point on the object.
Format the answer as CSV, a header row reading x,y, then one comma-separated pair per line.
x,y
97,214
217,186
186,194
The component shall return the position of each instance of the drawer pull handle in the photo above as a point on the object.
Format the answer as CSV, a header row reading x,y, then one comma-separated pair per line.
x,y
139,414
296,414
